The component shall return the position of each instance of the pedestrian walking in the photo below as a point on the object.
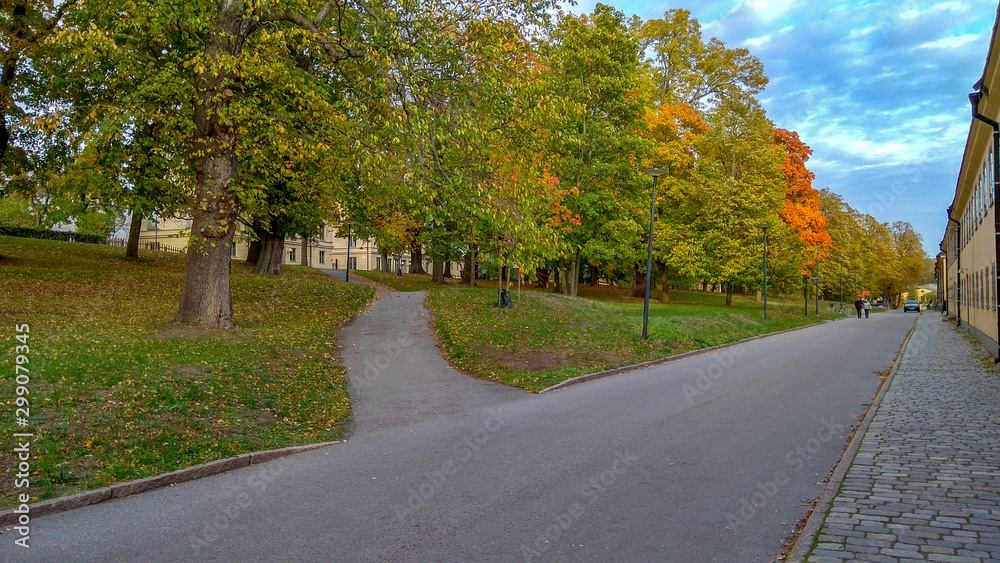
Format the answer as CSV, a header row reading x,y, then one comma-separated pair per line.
x,y
858,304
867,307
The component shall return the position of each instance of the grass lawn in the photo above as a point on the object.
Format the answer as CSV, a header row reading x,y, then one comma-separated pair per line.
x,y
549,338
117,393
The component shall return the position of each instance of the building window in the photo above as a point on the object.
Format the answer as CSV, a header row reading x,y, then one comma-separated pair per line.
x,y
352,242
291,255
322,257
232,250
352,263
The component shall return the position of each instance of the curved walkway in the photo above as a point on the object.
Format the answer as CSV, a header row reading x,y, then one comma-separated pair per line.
x,y
396,372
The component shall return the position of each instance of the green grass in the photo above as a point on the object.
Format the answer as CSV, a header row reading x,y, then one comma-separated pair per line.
x,y
118,393
549,338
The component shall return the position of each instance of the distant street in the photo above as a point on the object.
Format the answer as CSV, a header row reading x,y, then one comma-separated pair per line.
x,y
707,458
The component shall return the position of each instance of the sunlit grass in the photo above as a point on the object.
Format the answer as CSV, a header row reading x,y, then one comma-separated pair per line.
x,y
549,338
118,393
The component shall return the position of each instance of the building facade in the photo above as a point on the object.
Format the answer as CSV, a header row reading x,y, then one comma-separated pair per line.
x,y
326,252
967,266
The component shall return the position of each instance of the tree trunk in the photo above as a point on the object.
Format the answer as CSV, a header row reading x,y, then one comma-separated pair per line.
x,y
557,280
593,276
384,259
542,275
574,289
271,255
305,251
205,298
564,281
664,283
437,272
447,269
132,248
416,258
256,242
729,294
639,287
468,269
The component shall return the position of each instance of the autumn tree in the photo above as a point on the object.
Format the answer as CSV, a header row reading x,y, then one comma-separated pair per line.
x,y
742,191
801,211
676,130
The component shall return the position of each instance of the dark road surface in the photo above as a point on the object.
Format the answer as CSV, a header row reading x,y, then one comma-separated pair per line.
x,y
707,458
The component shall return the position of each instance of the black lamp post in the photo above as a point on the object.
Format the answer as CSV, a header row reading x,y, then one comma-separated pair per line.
x,y
974,99
655,173
765,272
347,270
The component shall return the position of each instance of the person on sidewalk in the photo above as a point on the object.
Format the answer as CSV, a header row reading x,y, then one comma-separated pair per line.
x,y
858,304
867,306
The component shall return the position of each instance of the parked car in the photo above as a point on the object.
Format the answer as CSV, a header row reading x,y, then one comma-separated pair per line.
x,y
911,306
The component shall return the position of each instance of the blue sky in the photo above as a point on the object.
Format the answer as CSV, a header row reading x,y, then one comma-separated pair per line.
x,y
878,89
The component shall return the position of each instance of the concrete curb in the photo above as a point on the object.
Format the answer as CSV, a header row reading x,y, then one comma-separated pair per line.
x,y
805,540
10,516
659,361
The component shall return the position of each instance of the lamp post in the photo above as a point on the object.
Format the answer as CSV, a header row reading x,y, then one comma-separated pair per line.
x,y
841,286
974,99
347,270
765,272
655,173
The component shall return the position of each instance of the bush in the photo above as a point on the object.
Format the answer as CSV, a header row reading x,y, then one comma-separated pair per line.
x,y
26,232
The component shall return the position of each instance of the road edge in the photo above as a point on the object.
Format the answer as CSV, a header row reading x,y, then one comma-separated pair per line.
x,y
807,536
11,516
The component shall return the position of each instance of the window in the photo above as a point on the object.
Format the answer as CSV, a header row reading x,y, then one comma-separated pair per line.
x,y
993,286
352,242
291,255
352,263
322,257
232,250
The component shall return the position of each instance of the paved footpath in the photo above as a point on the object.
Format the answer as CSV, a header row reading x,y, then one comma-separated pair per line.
x,y
925,483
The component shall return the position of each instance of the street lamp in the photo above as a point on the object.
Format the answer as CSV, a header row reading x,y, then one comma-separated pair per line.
x,y
655,173
347,270
765,272
974,99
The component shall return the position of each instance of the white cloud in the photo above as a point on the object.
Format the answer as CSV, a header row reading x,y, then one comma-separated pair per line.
x,y
957,42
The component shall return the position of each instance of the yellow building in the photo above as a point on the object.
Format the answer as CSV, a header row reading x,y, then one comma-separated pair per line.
x,y
968,268
327,252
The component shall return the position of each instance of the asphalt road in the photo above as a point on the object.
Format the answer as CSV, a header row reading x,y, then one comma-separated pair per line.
x,y
707,458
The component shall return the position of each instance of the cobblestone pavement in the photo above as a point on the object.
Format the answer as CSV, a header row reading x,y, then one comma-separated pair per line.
x,y
925,483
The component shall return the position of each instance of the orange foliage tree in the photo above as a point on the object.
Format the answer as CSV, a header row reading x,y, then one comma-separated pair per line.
x,y
801,208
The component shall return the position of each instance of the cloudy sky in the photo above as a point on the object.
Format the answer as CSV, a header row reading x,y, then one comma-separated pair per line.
x,y
878,89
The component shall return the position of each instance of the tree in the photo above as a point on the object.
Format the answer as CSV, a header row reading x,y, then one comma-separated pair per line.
x,y
743,190
684,68
677,130
597,142
801,212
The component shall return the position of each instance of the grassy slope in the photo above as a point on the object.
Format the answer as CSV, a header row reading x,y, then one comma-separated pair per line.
x,y
549,338
117,393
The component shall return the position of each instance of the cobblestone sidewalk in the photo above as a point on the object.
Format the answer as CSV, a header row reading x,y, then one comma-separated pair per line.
x,y
925,483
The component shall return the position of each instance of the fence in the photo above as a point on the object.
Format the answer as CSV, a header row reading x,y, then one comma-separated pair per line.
x,y
156,245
